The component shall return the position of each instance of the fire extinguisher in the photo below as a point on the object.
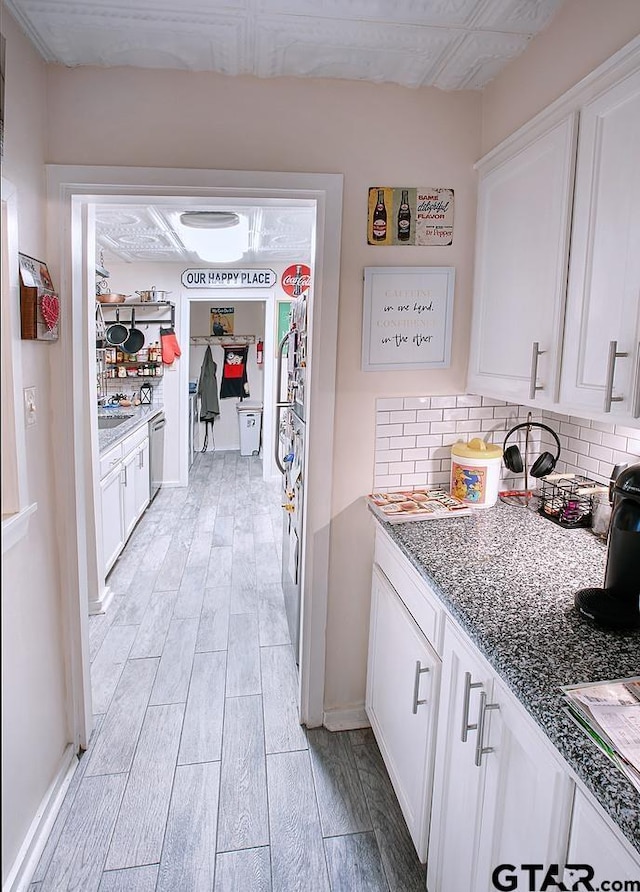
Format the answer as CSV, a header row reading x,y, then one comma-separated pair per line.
x,y
259,353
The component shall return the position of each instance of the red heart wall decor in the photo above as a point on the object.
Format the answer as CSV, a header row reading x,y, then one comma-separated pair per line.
x,y
50,307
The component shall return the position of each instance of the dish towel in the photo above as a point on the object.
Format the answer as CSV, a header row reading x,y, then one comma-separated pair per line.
x,y
234,373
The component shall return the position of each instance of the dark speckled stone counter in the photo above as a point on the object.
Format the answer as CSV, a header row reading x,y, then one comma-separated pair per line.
x,y
139,415
508,576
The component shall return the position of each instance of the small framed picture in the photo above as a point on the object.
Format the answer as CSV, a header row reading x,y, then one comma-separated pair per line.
x,y
407,318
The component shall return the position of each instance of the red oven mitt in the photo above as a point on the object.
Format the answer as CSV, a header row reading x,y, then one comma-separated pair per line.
x,y
170,347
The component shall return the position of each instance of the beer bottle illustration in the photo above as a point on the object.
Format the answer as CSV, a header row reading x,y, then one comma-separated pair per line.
x,y
380,218
404,217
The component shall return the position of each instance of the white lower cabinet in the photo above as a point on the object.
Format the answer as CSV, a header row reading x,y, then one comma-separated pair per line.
x,y
594,843
402,696
124,493
501,795
111,516
485,794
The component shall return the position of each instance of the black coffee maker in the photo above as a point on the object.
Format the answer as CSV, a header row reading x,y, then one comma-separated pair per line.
x,y
617,605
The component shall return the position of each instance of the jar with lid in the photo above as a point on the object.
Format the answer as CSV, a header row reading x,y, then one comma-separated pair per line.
x,y
475,472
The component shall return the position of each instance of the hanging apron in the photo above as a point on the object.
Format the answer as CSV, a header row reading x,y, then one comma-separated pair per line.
x,y
234,373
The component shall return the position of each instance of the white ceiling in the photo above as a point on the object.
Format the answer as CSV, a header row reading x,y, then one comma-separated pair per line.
x,y
134,234
451,44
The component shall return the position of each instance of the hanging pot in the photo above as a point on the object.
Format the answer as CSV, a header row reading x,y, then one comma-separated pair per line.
x,y
135,338
117,333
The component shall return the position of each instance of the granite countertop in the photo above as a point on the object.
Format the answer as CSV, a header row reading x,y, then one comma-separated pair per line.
x,y
508,576
139,415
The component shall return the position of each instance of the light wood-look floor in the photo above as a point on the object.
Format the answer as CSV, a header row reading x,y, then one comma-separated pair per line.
x,y
198,775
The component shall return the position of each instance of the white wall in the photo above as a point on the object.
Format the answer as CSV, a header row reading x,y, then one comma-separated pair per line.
x,y
581,36
34,720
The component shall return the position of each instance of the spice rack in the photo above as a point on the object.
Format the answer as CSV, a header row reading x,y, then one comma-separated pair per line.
x,y
146,363
567,499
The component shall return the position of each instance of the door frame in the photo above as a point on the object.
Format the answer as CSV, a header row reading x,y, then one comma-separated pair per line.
x,y
73,192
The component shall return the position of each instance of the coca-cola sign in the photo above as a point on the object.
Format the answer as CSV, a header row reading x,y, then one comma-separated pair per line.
x,y
296,279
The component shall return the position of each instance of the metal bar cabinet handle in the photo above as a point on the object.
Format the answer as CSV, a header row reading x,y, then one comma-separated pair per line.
x,y
611,371
533,385
468,685
420,670
480,749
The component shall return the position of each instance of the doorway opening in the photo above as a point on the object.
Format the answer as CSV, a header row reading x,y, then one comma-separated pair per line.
x,y
73,194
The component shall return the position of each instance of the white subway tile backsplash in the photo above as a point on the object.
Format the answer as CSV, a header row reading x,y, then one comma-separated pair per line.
x,y
429,415
417,402
569,430
414,479
486,412
455,415
422,427
430,465
402,467
386,481
432,440
389,455
468,400
443,427
443,402
389,430
601,453
414,436
403,417
389,403
632,432
402,442
614,442
590,435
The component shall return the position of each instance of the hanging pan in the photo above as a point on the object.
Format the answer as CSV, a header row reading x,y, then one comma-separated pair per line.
x,y
117,333
135,338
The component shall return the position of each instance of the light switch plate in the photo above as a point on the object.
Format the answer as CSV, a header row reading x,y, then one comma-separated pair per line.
x,y
30,408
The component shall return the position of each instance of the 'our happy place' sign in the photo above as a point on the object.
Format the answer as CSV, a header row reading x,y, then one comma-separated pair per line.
x,y
229,278
407,319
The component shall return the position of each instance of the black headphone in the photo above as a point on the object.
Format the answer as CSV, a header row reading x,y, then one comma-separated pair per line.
x,y
543,465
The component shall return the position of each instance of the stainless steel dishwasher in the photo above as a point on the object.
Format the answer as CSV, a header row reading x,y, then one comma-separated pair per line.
x,y
156,454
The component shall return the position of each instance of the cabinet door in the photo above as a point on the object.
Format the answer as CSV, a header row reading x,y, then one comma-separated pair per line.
x,y
129,516
521,767
402,690
593,842
141,477
603,308
524,216
111,516
458,782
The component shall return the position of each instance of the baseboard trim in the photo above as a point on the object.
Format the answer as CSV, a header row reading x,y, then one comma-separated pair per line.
x,y
103,602
24,866
346,719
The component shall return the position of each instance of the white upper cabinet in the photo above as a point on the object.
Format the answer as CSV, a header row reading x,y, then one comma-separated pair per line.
x,y
556,305
524,217
602,333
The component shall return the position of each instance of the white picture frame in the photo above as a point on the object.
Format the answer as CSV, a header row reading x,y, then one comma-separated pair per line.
x,y
407,319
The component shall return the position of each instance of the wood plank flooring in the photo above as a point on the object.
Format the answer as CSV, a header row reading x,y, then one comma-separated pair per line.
x,y
198,776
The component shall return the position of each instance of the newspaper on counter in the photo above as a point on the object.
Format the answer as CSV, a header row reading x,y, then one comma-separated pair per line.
x,y
609,712
416,504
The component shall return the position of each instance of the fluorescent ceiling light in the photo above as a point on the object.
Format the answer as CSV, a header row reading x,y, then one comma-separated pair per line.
x,y
216,236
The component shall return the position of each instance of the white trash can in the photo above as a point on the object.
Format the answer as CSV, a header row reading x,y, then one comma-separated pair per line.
x,y
250,421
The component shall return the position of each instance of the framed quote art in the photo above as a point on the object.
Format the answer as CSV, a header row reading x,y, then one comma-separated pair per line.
x,y
407,318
